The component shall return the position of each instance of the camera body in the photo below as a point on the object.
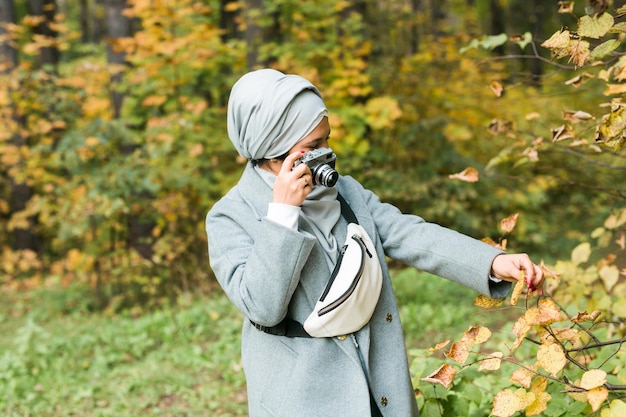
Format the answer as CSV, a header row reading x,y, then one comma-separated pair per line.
x,y
321,162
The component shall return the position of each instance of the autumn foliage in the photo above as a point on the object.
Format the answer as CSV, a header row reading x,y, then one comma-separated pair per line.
x,y
112,151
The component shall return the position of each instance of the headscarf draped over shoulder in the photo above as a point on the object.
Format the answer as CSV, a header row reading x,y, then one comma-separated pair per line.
x,y
269,112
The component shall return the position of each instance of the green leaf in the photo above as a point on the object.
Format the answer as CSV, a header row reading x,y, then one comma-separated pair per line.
x,y
526,39
491,42
595,27
605,48
619,27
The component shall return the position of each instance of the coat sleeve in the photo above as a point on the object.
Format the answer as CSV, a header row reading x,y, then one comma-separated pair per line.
x,y
256,261
433,248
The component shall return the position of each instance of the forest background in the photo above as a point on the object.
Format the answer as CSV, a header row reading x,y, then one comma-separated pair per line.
x,y
498,118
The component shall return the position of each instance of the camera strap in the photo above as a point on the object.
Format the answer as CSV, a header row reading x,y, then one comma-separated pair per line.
x,y
288,326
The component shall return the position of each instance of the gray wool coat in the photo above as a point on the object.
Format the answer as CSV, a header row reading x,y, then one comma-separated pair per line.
x,y
269,272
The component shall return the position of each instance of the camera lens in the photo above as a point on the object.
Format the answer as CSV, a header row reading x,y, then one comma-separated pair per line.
x,y
325,175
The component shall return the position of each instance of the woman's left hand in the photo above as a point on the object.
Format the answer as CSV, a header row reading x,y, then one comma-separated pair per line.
x,y
508,267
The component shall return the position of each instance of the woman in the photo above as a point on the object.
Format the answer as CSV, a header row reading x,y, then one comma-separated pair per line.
x,y
275,238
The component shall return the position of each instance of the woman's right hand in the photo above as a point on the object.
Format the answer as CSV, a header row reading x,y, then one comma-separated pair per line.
x,y
292,186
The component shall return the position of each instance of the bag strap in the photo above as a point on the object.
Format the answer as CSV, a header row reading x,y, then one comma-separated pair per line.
x,y
346,211
290,327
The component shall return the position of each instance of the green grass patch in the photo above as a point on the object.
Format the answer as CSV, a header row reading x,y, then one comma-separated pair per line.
x,y
59,358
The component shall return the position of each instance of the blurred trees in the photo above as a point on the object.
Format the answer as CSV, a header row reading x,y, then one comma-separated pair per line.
x,y
113,143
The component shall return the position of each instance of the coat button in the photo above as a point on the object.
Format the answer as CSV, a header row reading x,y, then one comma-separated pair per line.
x,y
389,317
342,337
384,401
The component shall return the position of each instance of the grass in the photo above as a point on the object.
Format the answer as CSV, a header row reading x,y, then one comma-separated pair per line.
x,y
179,361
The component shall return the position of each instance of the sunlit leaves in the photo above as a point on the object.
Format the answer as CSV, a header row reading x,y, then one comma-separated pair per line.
x,y
595,26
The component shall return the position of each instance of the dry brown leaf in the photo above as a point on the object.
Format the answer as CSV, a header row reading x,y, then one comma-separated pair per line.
x,y
458,352
439,346
444,375
584,316
508,224
468,175
496,88
475,335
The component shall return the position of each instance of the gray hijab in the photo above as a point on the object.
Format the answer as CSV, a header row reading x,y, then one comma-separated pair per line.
x,y
269,112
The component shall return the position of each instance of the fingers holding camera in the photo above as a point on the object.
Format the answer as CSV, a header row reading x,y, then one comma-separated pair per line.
x,y
293,184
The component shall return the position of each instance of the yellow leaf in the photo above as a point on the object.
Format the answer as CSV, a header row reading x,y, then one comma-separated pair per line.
x,y
617,408
596,397
520,329
540,404
596,26
546,313
558,40
609,275
468,174
496,88
593,378
458,352
517,290
444,375
506,402
581,253
616,220
487,302
522,376
613,89
491,362
551,358
475,335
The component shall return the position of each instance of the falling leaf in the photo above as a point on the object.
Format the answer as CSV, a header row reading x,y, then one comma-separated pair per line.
x,y
508,224
496,88
458,352
468,174
491,362
444,375
487,302
551,358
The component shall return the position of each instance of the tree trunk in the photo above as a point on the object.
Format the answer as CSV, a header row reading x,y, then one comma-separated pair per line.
x,y
228,22
48,56
117,26
20,192
257,35
8,54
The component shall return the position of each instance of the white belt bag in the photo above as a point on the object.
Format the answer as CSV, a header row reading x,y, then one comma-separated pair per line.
x,y
350,297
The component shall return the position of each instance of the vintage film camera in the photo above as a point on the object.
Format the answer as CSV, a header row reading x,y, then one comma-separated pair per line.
x,y
321,162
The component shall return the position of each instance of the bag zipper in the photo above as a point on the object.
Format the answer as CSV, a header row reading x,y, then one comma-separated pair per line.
x,y
355,281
